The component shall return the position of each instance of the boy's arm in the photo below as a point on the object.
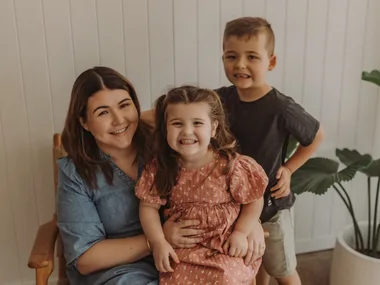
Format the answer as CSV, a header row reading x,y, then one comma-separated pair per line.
x,y
148,116
300,156
303,153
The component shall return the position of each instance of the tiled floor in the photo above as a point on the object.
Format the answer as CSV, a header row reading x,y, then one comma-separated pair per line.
x,y
313,268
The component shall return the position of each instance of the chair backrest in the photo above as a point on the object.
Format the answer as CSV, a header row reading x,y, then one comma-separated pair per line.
x,y
58,152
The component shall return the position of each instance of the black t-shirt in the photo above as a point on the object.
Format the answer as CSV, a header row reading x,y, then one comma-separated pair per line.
x,y
262,129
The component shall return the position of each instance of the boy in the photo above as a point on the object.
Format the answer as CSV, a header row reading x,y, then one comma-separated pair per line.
x,y
262,119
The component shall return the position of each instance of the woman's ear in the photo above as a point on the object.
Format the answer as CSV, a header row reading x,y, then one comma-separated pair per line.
x,y
214,127
84,125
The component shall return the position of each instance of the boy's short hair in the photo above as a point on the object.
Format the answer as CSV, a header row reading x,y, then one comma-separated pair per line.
x,y
250,27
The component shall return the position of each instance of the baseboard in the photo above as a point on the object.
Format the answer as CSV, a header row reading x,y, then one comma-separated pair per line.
x,y
315,244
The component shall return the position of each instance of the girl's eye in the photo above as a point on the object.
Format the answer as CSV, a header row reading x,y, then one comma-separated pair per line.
x,y
198,123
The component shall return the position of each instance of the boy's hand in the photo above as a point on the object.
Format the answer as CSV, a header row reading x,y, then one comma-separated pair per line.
x,y
256,244
162,251
282,188
236,245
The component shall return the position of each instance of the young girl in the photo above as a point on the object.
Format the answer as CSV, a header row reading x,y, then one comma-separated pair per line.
x,y
197,173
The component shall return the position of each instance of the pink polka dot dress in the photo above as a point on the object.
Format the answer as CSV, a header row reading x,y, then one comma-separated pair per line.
x,y
214,199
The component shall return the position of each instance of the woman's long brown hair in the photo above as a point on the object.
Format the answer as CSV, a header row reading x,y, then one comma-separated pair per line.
x,y
79,144
167,159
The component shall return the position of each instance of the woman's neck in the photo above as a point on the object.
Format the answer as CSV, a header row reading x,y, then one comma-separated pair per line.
x,y
122,155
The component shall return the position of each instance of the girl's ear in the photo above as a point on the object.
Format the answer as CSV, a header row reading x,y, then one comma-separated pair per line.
x,y
214,127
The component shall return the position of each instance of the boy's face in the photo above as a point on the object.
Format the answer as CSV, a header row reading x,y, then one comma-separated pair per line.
x,y
246,61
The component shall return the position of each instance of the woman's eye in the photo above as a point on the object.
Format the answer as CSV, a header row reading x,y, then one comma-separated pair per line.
x,y
177,124
124,105
102,113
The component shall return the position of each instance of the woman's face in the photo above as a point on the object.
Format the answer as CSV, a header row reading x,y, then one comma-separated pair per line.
x,y
112,119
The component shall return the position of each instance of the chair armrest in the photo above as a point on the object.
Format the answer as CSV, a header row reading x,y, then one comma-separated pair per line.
x,y
42,253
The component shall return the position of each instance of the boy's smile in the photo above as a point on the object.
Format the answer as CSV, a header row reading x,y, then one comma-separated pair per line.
x,y
246,62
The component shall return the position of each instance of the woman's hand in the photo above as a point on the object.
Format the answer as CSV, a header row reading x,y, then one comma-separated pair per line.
x,y
162,252
178,233
256,243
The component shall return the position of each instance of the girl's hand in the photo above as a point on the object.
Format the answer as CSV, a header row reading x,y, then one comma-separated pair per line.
x,y
282,188
256,243
162,251
236,245
179,235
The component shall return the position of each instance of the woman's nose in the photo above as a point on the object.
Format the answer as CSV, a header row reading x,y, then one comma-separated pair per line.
x,y
117,119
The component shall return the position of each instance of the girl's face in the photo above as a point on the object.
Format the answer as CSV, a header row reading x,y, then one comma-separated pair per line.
x,y
189,130
112,119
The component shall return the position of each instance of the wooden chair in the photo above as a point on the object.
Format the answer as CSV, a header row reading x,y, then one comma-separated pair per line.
x,y
48,239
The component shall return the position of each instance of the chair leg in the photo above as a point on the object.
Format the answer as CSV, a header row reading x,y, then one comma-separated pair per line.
x,y
42,274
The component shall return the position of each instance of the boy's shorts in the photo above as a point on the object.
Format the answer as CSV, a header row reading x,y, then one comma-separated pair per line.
x,y
279,258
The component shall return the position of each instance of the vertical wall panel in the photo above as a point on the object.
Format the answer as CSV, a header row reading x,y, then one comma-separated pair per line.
x,y
334,215
254,8
36,84
111,35
16,136
85,34
59,44
185,42
311,100
229,10
276,15
294,49
136,41
210,58
9,258
160,17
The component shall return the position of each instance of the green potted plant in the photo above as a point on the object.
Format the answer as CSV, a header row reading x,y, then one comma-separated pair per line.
x,y
356,258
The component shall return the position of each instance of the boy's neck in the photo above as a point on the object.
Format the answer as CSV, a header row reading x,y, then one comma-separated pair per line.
x,y
253,94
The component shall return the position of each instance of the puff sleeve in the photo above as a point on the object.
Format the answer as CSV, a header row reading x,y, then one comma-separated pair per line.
x,y
145,189
248,180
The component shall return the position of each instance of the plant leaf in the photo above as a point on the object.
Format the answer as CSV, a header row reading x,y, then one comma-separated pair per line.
x,y
292,146
373,76
348,157
318,174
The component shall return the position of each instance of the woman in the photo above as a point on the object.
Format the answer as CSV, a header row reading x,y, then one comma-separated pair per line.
x,y
107,147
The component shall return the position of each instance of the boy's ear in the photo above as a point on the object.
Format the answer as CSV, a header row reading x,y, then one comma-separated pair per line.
x,y
214,127
272,62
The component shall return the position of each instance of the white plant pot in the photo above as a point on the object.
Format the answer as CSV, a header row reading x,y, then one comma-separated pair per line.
x,y
350,267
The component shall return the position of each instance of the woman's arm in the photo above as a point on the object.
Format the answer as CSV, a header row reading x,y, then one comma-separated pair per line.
x,y
109,253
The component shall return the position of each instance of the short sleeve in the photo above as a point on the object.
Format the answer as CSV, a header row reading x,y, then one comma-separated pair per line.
x,y
145,188
248,180
300,124
78,220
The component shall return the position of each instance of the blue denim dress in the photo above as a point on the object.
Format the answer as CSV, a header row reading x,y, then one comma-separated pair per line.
x,y
87,216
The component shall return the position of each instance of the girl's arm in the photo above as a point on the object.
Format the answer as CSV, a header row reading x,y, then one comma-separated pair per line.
x,y
151,224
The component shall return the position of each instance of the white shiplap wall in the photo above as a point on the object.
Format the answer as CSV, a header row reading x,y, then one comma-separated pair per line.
x,y
322,47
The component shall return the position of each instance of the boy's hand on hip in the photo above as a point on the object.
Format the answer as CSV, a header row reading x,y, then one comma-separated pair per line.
x,y
282,188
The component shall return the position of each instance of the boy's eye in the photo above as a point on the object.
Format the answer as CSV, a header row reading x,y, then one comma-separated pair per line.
x,y
252,57
230,57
